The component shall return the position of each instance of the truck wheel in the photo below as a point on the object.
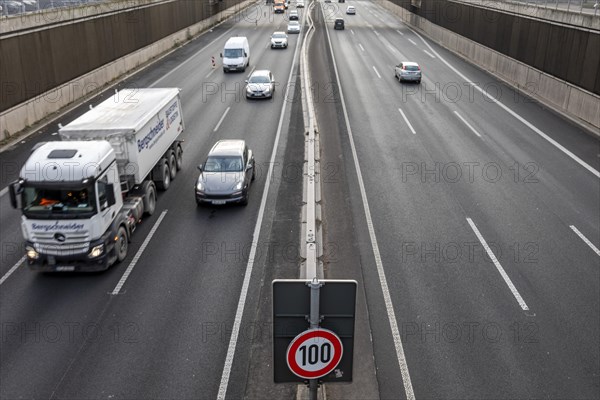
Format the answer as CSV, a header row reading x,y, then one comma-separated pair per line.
x,y
179,157
122,244
163,180
172,164
149,197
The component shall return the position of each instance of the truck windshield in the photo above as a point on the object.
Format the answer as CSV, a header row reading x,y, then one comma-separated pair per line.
x,y
232,53
53,203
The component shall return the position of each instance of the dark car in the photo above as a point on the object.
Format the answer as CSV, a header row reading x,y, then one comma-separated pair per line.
x,y
339,23
226,175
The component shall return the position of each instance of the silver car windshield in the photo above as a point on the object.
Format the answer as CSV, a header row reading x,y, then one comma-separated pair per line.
x,y
259,79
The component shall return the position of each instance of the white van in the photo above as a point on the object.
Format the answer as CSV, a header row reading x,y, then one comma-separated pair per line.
x,y
236,54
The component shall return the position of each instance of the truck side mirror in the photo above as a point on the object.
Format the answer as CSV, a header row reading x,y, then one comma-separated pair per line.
x,y
200,167
221,55
245,54
110,194
15,191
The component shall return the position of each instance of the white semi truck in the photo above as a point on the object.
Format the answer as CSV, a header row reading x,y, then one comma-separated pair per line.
x,y
83,196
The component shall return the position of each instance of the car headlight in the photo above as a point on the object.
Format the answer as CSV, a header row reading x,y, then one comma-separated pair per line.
x,y
200,186
238,186
96,251
32,253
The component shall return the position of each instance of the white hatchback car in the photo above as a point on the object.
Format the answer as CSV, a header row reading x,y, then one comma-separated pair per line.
x,y
293,27
350,10
279,40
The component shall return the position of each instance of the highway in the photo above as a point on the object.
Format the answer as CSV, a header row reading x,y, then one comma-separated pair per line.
x,y
467,213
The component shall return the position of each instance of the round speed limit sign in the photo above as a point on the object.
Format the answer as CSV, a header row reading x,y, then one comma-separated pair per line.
x,y
314,353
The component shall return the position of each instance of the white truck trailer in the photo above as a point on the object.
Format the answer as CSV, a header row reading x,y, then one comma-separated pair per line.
x,y
82,197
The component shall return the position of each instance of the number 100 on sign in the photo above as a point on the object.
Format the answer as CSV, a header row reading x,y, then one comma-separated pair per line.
x,y
314,353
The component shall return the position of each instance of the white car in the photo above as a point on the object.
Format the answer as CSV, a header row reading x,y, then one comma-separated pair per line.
x,y
279,40
261,84
350,10
293,27
300,4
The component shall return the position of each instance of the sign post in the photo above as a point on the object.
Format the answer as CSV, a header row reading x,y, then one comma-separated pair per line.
x,y
313,384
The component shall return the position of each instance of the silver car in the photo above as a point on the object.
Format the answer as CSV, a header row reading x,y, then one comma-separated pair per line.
x,y
293,27
226,175
408,71
279,40
261,84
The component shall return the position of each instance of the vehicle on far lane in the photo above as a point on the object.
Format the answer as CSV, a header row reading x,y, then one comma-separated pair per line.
x,y
261,84
350,10
293,27
293,15
226,175
339,24
408,71
300,4
279,40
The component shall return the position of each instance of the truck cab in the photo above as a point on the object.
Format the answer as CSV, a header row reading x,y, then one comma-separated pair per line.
x,y
69,193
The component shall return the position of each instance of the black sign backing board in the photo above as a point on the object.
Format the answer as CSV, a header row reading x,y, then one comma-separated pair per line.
x,y
291,309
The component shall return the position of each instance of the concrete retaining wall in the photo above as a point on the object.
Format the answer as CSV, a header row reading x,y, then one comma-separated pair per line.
x,y
578,105
37,109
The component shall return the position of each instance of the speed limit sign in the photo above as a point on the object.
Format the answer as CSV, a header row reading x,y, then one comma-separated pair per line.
x,y
314,353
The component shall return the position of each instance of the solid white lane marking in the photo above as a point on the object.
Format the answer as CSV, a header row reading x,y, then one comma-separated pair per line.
x,y
377,72
402,34
362,48
412,41
490,253
3,191
13,269
239,313
514,114
389,306
429,54
586,240
138,254
221,120
467,124
407,121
